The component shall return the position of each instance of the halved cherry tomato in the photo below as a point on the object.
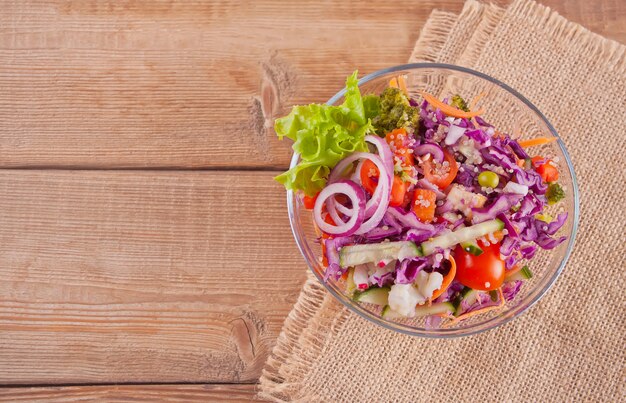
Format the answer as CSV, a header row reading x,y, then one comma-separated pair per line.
x,y
441,175
369,176
398,191
369,179
547,171
309,202
484,272
399,141
424,204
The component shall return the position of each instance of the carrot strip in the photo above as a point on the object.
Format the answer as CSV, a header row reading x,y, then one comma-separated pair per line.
x,y
402,85
449,110
393,83
447,280
475,100
536,142
476,312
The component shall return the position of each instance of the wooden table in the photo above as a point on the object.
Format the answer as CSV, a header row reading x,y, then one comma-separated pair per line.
x,y
145,250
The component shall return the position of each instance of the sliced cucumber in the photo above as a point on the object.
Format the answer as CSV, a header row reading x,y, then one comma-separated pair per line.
x,y
389,313
350,284
461,235
523,274
434,309
468,296
420,310
373,253
374,295
472,248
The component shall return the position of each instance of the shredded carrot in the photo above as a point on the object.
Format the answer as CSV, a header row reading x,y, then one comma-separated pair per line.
x,y
399,82
449,110
447,280
476,312
536,142
475,100
402,84
520,163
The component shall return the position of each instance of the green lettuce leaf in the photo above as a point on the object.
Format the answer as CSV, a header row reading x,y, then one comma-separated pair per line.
x,y
323,135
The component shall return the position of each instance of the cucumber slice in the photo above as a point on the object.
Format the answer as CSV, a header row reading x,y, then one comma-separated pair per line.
x,y
373,253
472,248
440,307
523,274
468,296
461,235
389,313
350,284
420,310
374,295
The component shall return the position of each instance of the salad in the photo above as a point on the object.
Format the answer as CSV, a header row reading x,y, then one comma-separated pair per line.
x,y
422,206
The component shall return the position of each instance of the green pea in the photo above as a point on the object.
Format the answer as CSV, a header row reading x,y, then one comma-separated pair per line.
x,y
488,179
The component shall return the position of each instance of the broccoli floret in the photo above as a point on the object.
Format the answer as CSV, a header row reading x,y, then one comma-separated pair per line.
x,y
395,112
554,193
459,103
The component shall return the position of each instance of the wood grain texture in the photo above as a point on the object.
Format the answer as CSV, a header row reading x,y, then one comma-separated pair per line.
x,y
113,276
89,83
139,393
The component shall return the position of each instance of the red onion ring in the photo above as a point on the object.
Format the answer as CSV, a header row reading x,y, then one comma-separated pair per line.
x,y
435,151
375,207
356,195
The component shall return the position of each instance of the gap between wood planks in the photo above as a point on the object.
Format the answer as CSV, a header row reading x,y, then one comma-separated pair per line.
x,y
69,385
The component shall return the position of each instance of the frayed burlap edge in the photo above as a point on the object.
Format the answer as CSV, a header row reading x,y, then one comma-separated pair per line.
x,y
303,337
433,37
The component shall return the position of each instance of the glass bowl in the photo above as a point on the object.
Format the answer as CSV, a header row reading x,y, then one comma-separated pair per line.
x,y
511,113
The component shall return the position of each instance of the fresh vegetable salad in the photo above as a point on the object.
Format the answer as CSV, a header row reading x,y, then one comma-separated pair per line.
x,y
423,207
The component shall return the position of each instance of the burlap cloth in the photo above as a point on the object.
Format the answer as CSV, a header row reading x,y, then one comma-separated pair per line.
x,y
568,347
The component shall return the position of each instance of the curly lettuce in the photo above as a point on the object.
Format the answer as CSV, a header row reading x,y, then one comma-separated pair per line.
x,y
323,135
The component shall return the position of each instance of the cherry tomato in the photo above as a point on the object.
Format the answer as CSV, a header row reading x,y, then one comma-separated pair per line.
x,y
309,202
424,204
441,175
369,176
398,191
398,141
547,171
369,179
484,272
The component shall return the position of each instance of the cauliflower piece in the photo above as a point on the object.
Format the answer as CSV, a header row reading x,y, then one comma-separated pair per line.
x,y
427,283
403,298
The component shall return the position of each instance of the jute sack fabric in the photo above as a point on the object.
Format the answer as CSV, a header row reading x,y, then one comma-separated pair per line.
x,y
568,347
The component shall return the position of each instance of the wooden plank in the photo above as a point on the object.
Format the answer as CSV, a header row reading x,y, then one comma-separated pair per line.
x,y
98,84
132,393
116,276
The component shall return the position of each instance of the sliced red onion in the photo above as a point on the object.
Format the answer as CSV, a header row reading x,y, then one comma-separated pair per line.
x,y
425,184
357,197
444,208
454,134
384,181
435,151
379,233
383,151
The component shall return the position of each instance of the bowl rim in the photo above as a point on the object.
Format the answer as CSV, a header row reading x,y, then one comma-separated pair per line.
x,y
453,332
